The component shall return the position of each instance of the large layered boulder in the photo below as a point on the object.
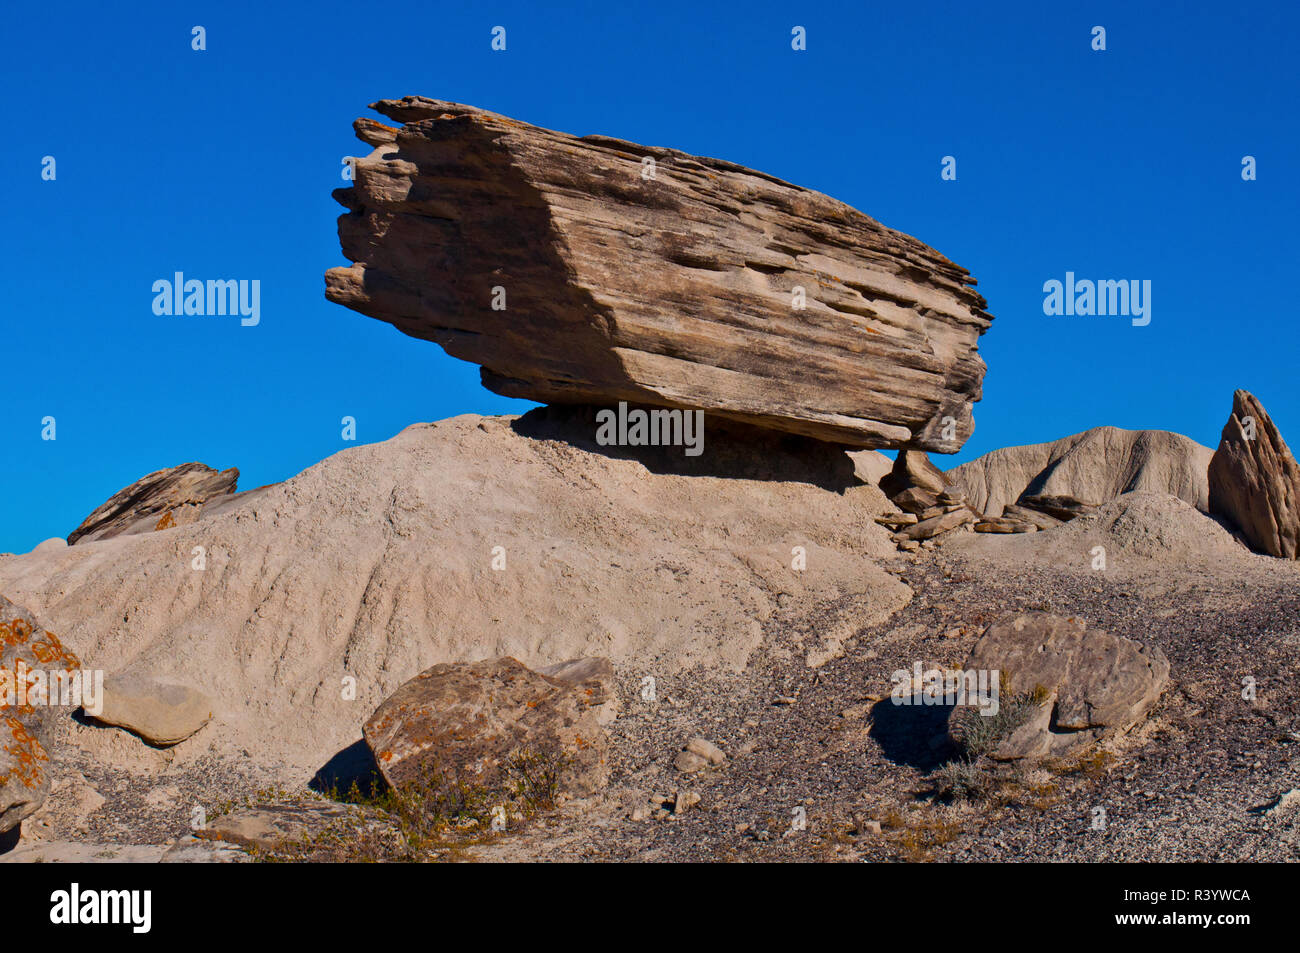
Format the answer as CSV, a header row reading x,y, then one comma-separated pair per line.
x,y
593,270
26,722
1086,684
1254,480
1076,474
158,500
485,725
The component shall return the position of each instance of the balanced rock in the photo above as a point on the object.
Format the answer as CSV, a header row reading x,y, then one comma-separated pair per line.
x,y
1091,683
26,721
159,500
1074,475
162,713
471,723
593,270
1254,480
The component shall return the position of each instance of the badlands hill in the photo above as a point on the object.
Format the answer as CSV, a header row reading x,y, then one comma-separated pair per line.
x,y
378,562
717,639
1088,468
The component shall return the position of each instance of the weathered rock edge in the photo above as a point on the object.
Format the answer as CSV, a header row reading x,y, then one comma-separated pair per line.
x,y
672,289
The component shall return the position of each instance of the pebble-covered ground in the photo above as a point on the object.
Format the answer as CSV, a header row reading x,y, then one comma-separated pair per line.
x,y
821,766
814,757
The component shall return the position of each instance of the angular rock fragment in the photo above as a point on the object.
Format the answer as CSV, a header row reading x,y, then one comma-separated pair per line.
x,y
471,723
159,500
26,720
913,470
1002,524
272,826
1029,515
592,270
943,523
1255,481
706,749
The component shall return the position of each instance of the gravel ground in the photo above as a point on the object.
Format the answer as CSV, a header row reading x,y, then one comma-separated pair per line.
x,y
1192,784
816,755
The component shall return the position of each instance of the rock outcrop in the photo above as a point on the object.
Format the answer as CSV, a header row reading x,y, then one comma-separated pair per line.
x,y
931,505
492,724
26,720
592,270
1089,683
1076,474
1254,480
159,500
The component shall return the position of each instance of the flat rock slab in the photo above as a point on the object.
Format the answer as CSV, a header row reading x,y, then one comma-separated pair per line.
x,y
1002,524
26,724
271,826
1094,682
465,722
1255,481
185,851
593,270
160,712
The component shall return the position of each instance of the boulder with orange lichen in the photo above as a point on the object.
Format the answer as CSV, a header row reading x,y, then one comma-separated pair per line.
x,y
483,724
29,655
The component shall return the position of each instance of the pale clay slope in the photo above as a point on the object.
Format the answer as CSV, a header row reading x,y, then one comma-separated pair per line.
x,y
1144,533
375,563
1093,467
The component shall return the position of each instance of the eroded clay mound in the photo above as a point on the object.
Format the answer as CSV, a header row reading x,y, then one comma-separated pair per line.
x,y
378,562
1142,526
1088,469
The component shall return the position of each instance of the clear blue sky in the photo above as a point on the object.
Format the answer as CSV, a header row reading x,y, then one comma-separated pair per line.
x,y
1117,164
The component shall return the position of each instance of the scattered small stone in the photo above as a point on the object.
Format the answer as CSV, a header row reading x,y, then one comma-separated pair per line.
x,y
706,749
684,801
688,762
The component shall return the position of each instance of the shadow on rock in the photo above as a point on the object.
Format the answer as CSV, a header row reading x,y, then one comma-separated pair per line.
x,y
354,764
729,450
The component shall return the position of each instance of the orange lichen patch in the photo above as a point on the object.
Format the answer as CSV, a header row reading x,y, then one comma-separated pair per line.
x,y
16,632
27,753
167,521
50,651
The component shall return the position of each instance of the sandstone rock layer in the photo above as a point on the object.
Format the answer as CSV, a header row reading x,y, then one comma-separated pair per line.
x,y
1255,481
657,277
